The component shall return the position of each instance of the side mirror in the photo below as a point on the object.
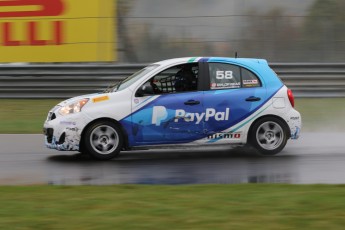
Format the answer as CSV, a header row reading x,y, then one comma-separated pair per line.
x,y
145,90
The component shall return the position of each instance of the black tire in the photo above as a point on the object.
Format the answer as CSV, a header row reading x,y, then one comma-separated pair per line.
x,y
103,140
269,136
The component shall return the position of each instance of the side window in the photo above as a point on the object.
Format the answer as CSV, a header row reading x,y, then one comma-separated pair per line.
x,y
249,79
224,76
181,78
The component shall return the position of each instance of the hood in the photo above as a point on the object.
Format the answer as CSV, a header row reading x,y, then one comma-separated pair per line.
x,y
70,100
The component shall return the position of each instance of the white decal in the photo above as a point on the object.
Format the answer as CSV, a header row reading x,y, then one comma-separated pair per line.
x,y
199,117
224,75
225,85
159,114
250,82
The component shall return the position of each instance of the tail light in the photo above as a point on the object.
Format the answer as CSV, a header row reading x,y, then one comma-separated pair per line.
x,y
291,97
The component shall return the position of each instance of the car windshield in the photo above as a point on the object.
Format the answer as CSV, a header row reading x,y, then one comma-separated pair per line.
x,y
118,86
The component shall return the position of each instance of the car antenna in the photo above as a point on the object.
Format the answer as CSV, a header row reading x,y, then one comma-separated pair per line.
x,y
236,54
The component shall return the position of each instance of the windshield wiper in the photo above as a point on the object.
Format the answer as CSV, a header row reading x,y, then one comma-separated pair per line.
x,y
112,87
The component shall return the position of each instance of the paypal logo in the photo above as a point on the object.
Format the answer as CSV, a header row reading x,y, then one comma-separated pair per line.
x,y
160,114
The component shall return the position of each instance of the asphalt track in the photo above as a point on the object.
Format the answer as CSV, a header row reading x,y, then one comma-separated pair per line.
x,y
314,158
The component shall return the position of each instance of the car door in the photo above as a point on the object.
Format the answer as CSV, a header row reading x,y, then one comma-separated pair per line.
x,y
171,114
234,94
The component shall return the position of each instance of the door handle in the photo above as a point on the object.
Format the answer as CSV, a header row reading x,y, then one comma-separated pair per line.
x,y
192,102
252,98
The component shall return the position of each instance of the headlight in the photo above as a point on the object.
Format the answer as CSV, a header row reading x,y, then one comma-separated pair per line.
x,y
74,107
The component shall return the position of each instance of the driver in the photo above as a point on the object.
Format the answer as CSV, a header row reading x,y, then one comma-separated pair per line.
x,y
185,79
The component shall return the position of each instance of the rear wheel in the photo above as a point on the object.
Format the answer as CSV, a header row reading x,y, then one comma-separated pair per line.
x,y
103,140
269,136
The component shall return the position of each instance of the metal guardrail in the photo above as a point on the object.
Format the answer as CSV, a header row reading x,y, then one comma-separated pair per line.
x,y
64,81
313,79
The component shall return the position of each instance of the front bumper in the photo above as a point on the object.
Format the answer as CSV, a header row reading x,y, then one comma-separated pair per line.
x,y
294,121
63,133
68,140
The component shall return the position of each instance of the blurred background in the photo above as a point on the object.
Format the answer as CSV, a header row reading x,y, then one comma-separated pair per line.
x,y
133,31
277,30
304,42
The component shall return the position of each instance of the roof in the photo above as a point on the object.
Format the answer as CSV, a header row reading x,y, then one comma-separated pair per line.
x,y
243,61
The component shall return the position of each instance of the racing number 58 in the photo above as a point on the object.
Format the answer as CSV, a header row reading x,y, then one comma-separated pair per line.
x,y
224,75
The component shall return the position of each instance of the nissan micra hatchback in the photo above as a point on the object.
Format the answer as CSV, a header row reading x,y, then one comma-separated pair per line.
x,y
179,102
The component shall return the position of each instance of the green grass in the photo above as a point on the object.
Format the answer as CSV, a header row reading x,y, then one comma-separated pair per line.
x,y
322,114
173,207
27,116
24,116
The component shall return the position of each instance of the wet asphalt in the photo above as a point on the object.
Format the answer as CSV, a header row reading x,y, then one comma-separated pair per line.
x,y
316,158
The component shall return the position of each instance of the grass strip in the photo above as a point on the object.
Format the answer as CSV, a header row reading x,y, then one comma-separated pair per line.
x,y
24,115
322,114
173,207
27,116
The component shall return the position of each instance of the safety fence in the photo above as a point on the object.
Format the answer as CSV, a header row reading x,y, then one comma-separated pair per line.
x,y
64,81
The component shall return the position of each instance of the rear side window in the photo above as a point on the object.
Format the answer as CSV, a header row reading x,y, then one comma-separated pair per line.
x,y
249,79
227,76
224,76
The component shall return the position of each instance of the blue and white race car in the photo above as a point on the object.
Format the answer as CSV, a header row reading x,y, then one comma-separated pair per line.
x,y
183,101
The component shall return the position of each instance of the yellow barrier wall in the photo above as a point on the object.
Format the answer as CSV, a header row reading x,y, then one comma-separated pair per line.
x,y
57,30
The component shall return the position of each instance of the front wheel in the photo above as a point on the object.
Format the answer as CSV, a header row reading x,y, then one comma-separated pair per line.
x,y
269,136
103,140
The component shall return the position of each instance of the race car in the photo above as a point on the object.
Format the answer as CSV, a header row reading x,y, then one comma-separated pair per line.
x,y
191,101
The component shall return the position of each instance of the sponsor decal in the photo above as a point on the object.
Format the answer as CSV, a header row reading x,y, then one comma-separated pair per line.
x,y
75,129
225,85
68,123
100,99
57,30
218,136
136,101
160,114
250,82
33,8
45,8
294,118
